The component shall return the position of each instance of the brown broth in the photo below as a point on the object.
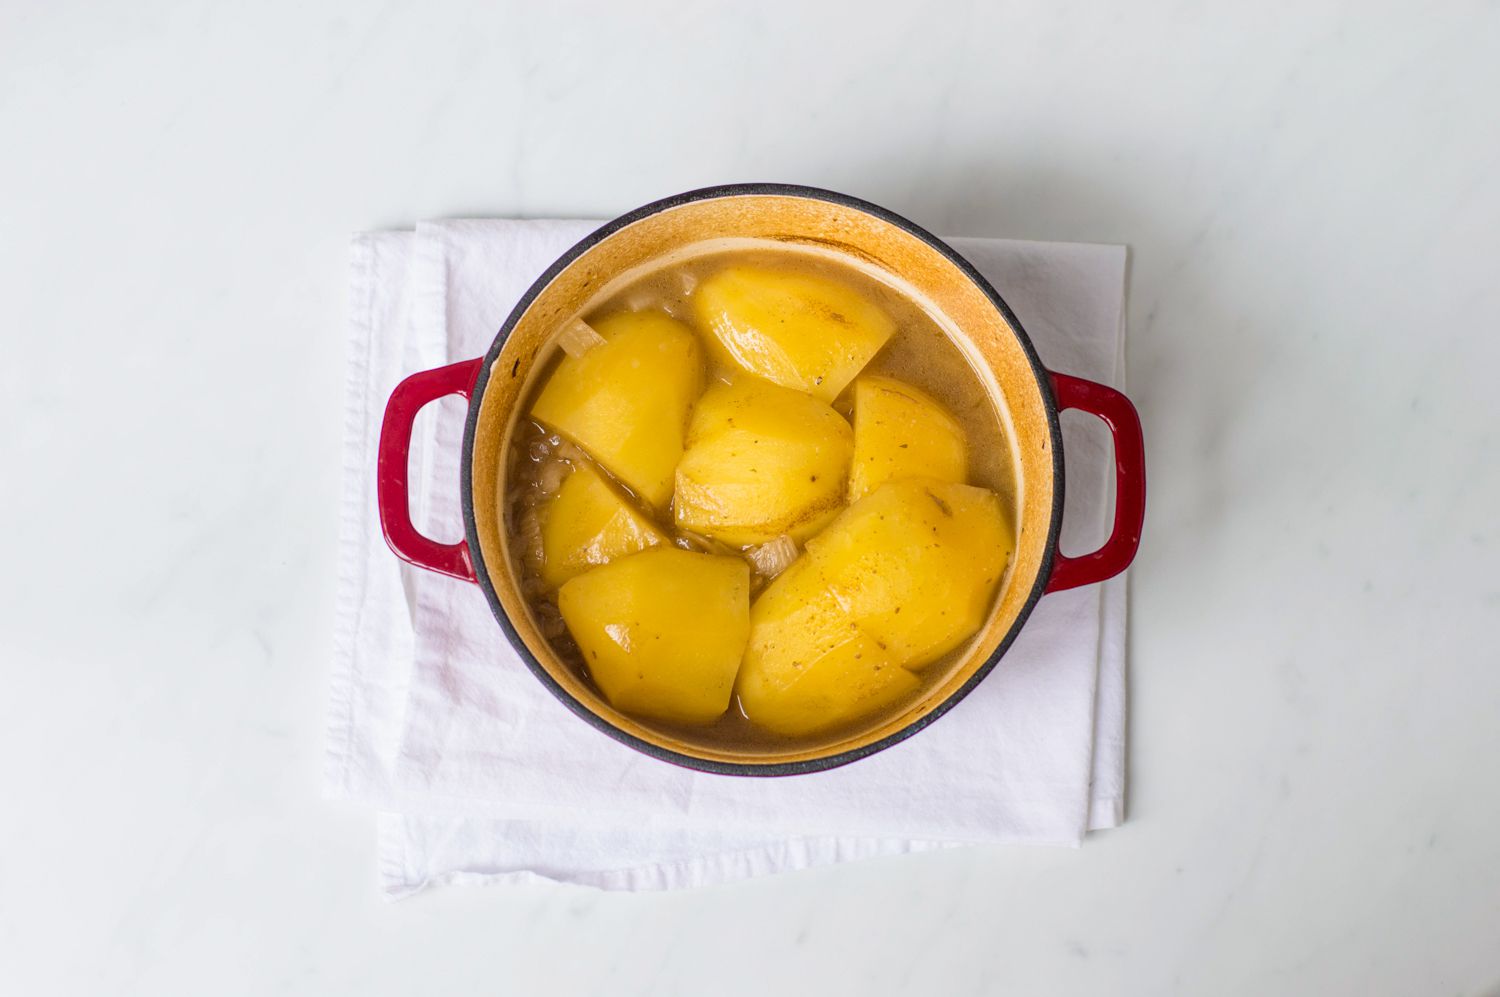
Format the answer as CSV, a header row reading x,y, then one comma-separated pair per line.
x,y
920,353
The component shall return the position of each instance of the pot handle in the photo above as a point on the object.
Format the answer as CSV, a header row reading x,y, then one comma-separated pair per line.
x,y
1130,483
391,469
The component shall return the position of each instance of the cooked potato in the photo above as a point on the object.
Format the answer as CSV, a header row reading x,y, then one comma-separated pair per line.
x,y
901,432
761,460
662,632
626,401
915,563
590,523
797,329
808,667
900,578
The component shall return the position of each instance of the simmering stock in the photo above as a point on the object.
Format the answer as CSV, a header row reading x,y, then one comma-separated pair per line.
x,y
760,495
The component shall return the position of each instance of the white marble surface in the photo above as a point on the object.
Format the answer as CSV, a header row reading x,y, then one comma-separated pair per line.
x,y
1310,192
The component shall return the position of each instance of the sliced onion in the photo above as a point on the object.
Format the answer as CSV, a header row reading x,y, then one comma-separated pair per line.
x,y
688,540
550,477
640,300
578,337
530,530
771,559
550,620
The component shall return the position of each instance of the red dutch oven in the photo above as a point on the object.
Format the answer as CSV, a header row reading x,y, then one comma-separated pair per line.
x,y
1027,396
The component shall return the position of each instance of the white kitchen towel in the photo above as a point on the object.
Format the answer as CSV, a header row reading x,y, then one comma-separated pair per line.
x,y
482,776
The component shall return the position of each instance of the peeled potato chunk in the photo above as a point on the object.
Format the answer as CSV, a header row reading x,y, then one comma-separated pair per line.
x,y
626,400
915,564
662,631
900,578
799,330
901,432
590,523
808,667
761,461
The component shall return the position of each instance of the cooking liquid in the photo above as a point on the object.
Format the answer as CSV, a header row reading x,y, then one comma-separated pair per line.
x,y
919,353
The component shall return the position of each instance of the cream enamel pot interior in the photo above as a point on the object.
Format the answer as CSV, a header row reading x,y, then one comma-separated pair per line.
x,y
889,247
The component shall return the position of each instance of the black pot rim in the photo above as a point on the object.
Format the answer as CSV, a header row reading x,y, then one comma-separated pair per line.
x,y
481,571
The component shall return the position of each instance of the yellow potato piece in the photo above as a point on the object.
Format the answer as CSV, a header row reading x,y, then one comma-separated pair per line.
x,y
808,667
761,460
916,564
901,432
590,523
662,631
797,329
626,401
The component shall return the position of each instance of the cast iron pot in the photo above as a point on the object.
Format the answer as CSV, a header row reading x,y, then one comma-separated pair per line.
x,y
860,234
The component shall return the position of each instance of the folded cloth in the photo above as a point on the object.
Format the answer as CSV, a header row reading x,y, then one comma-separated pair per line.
x,y
482,776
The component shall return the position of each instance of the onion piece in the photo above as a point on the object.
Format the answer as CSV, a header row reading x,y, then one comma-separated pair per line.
x,y
578,337
771,559
550,478
530,530
550,620
688,540
640,300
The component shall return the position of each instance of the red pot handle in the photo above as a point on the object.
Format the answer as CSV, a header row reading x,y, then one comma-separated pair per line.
x,y
1130,483
390,470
